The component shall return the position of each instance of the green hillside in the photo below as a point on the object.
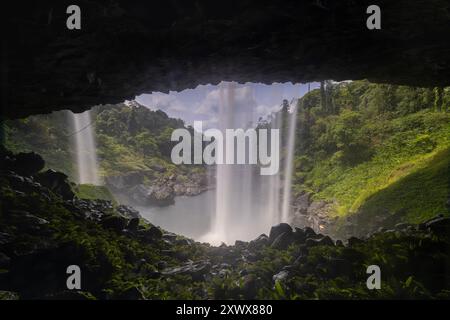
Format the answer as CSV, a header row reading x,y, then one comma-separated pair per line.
x,y
375,149
129,139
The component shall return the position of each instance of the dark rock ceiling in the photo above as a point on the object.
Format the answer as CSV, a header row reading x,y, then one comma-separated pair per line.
x,y
130,47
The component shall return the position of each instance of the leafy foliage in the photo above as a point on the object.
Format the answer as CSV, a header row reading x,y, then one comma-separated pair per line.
x,y
373,137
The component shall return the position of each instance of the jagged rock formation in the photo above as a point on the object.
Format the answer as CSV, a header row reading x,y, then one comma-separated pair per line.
x,y
126,48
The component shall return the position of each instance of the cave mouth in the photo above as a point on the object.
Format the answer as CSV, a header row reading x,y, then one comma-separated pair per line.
x,y
364,164
112,145
124,150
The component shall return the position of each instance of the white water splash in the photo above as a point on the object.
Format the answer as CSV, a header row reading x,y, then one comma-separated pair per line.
x,y
247,204
289,165
85,148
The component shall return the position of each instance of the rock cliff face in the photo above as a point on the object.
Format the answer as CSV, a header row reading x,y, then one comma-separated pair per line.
x,y
315,214
162,190
125,48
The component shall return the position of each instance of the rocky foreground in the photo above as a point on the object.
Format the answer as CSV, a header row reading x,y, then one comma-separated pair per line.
x,y
44,228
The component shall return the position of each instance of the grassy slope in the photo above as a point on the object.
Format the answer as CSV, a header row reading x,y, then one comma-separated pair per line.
x,y
416,197
403,153
88,191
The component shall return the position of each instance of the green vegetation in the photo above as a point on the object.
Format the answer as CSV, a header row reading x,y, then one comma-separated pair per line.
x,y
368,147
133,139
89,191
109,260
125,265
129,139
416,197
48,135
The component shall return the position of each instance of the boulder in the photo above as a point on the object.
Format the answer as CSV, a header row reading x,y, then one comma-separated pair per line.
x,y
439,225
161,265
160,195
281,276
4,260
183,242
326,241
196,270
311,242
151,234
299,235
278,229
322,241
56,182
116,223
22,184
30,222
127,212
239,243
259,242
27,164
283,241
133,224
309,232
354,241
402,226
5,238
339,243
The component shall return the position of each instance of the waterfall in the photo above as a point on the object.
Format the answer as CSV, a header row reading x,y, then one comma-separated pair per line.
x,y
247,204
85,148
289,164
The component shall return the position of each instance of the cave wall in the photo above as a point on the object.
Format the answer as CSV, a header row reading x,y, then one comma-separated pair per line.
x,y
125,48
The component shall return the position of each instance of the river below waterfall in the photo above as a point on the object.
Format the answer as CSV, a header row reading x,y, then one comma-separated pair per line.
x,y
188,216
194,217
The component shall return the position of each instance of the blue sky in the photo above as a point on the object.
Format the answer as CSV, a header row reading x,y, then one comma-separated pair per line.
x,y
202,102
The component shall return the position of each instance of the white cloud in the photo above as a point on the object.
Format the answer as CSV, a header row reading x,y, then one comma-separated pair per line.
x,y
246,102
165,102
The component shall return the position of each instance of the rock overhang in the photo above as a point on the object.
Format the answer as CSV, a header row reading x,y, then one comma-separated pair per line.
x,y
126,48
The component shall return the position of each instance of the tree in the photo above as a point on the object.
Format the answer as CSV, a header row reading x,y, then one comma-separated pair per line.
x,y
323,102
329,88
132,123
146,144
438,101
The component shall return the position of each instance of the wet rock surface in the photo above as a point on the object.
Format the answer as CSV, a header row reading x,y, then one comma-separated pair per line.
x,y
127,48
316,214
162,191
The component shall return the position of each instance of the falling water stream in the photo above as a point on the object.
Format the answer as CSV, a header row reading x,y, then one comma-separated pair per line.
x,y
85,148
289,164
247,204
244,204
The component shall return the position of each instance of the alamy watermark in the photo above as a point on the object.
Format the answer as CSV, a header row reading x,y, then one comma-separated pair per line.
x,y
239,146
73,22
74,280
